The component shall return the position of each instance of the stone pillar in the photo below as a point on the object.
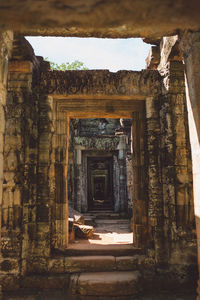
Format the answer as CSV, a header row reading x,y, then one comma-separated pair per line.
x,y
190,45
155,203
140,227
17,195
41,246
78,181
6,39
174,163
122,174
59,166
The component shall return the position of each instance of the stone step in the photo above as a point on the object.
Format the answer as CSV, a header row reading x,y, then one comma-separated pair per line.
x,y
105,284
112,221
80,264
111,229
102,215
108,250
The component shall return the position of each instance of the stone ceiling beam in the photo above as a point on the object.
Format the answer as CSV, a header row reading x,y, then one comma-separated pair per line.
x,y
98,18
79,108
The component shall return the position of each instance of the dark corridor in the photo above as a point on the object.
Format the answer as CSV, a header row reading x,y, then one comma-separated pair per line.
x,y
100,183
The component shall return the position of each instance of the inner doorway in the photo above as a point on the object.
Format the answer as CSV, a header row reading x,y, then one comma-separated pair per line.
x,y
100,183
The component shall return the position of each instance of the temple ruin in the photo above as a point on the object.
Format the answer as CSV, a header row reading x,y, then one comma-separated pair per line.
x,y
126,142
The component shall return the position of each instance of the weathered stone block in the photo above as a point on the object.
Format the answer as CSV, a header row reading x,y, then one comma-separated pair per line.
x,y
153,124
168,175
17,215
42,213
1,142
12,161
153,59
183,174
17,197
182,194
12,142
36,264
10,283
2,118
75,264
21,66
126,263
45,282
9,266
182,156
106,284
56,265
31,231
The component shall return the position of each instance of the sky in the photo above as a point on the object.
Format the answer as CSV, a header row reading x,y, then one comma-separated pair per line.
x,y
95,53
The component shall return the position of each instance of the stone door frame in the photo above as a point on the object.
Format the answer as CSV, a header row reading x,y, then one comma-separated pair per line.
x,y
63,111
98,94
116,150
82,200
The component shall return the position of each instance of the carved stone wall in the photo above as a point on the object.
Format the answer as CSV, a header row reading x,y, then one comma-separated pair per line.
x,y
5,52
190,46
38,108
173,179
6,38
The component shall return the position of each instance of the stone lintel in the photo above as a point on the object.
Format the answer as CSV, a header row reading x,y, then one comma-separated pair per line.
x,y
83,143
102,83
99,108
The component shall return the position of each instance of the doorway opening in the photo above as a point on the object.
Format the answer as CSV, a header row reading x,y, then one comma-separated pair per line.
x,y
74,141
100,183
100,179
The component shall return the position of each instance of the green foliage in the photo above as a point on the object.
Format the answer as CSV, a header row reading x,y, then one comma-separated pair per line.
x,y
75,65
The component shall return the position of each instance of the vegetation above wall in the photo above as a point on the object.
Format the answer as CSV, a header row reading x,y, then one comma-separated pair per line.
x,y
75,65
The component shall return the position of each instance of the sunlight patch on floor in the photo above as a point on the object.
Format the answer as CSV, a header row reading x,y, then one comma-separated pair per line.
x,y
112,238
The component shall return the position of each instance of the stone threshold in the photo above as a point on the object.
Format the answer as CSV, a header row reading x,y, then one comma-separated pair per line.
x,y
114,250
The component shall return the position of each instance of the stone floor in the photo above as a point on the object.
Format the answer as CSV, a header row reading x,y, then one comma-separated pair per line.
x,y
61,295
110,236
108,231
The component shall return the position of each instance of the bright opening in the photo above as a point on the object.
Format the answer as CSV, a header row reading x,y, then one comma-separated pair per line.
x,y
95,53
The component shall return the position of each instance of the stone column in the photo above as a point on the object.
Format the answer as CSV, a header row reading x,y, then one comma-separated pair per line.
x,y
19,162
190,45
155,203
6,39
60,167
177,214
122,174
140,227
42,245
78,190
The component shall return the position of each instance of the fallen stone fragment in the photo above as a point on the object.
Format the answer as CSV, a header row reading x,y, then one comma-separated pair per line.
x,y
83,231
77,216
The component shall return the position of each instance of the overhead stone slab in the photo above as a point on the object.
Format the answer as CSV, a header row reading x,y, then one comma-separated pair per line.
x,y
124,18
130,84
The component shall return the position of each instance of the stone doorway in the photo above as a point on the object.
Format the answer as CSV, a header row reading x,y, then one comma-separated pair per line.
x,y
99,170
100,184
75,158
